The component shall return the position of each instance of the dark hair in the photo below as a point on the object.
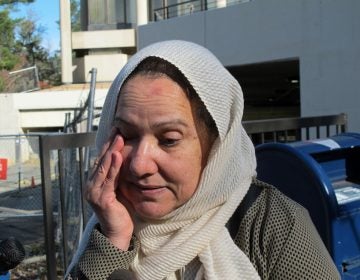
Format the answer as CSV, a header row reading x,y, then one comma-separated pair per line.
x,y
157,67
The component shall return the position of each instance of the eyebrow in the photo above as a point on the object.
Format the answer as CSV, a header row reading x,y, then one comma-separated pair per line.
x,y
119,121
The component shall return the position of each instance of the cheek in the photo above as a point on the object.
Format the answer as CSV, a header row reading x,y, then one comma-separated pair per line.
x,y
188,171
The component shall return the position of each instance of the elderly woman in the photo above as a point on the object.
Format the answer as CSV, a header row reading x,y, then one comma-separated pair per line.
x,y
174,188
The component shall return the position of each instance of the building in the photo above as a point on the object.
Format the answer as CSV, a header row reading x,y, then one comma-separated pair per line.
x,y
298,57
106,40
292,58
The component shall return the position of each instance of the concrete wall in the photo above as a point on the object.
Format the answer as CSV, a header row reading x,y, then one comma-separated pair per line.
x,y
103,39
107,65
324,35
11,148
10,116
41,109
36,110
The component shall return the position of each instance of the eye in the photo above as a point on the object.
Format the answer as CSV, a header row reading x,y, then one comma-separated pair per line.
x,y
169,142
170,139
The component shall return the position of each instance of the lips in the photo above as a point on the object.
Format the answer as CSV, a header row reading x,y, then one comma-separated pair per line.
x,y
147,188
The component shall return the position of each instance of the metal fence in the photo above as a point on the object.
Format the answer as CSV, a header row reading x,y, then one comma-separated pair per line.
x,y
39,205
21,203
295,129
183,8
23,80
50,210
73,211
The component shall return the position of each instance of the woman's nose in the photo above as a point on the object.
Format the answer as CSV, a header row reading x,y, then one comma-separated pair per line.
x,y
142,160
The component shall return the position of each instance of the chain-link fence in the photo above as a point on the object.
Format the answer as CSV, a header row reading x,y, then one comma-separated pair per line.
x,y
76,211
41,180
20,154
23,80
24,196
65,210
21,203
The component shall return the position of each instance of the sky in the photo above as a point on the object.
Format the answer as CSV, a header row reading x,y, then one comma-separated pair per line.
x,y
46,12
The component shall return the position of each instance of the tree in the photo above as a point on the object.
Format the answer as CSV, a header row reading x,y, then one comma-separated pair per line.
x,y
29,39
75,15
8,58
20,47
9,2
29,35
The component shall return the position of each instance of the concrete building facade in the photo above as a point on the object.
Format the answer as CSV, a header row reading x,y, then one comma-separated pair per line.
x,y
106,40
296,57
320,37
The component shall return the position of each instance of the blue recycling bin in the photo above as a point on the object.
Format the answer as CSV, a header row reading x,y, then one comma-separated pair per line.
x,y
5,276
323,175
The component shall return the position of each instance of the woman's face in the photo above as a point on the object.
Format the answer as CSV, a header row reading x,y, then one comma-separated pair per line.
x,y
165,148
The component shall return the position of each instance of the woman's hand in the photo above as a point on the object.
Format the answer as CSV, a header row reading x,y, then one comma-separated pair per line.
x,y
115,221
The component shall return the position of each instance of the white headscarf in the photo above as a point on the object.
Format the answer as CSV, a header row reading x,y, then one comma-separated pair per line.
x,y
197,228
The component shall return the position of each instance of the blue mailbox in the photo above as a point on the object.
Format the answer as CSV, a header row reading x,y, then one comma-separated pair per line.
x,y
323,175
5,276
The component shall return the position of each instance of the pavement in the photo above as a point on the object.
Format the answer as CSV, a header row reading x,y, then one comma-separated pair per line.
x,y
28,230
21,205
21,177
21,215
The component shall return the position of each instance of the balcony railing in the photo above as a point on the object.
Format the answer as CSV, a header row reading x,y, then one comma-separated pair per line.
x,y
189,7
295,129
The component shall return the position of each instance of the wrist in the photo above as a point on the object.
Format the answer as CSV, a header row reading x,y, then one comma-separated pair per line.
x,y
120,240
120,243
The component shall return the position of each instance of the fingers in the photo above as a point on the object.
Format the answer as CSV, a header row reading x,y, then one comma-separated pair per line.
x,y
108,143
114,217
96,163
105,172
104,149
110,183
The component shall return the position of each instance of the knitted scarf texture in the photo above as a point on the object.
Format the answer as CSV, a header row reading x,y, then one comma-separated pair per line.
x,y
197,228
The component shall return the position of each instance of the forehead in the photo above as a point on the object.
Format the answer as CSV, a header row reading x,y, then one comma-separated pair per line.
x,y
143,95
151,85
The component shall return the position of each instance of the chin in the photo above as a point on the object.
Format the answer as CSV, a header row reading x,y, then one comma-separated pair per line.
x,y
149,211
